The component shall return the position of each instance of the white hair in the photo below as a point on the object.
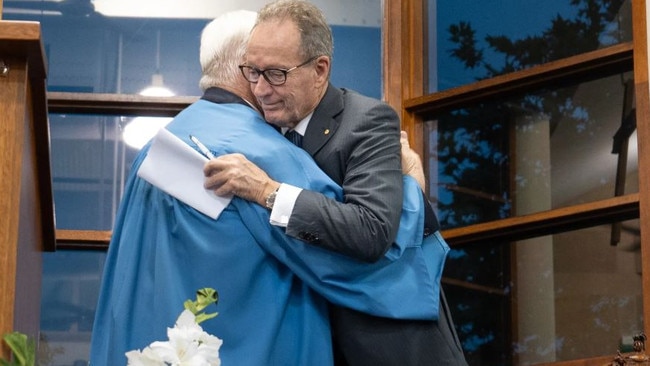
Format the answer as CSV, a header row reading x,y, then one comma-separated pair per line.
x,y
223,47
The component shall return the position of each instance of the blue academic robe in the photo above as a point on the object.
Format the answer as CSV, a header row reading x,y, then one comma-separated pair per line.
x,y
272,288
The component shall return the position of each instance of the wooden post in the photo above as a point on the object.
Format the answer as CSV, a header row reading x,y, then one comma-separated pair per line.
x,y
26,209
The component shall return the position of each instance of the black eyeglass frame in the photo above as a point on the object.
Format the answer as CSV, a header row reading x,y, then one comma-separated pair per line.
x,y
284,72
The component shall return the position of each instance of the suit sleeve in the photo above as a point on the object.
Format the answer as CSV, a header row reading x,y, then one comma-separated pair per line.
x,y
403,284
365,155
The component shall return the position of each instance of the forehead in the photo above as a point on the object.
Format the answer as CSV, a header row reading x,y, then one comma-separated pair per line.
x,y
274,43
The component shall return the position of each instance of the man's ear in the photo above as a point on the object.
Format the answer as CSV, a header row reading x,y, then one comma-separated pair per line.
x,y
323,66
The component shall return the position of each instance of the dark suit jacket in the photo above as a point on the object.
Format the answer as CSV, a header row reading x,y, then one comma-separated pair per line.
x,y
355,140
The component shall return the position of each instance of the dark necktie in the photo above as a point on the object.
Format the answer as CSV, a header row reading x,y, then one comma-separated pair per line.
x,y
294,137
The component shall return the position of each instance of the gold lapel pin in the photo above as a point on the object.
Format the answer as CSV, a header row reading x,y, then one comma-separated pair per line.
x,y
327,131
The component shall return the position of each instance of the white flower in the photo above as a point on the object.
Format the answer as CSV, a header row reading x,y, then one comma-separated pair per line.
x,y
188,345
145,358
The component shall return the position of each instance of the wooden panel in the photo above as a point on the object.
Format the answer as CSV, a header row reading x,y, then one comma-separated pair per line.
x,y
392,54
26,207
404,63
12,105
30,245
22,41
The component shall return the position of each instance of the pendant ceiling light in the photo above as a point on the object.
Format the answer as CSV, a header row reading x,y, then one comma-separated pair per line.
x,y
141,129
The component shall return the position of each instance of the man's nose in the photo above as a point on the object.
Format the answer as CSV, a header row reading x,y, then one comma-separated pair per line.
x,y
262,87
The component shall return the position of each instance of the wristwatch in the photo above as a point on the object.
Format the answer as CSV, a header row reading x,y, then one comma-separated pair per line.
x,y
270,199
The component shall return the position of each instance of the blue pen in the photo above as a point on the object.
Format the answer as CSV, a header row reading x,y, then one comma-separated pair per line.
x,y
208,154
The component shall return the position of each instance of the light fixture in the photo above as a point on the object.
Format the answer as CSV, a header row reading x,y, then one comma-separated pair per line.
x,y
142,129
157,89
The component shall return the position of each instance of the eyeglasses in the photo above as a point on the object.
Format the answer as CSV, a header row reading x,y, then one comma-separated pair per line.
x,y
274,77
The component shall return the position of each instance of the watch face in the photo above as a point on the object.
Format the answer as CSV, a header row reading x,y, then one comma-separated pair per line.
x,y
270,199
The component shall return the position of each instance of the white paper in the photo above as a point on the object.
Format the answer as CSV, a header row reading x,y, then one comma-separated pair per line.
x,y
177,169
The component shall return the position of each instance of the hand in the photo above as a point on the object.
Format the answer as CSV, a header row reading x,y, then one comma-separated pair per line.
x,y
411,162
236,175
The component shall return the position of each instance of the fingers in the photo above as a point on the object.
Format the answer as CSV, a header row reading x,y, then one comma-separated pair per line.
x,y
216,178
221,174
411,162
233,174
404,139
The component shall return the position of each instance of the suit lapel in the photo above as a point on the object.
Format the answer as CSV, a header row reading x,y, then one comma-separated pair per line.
x,y
324,121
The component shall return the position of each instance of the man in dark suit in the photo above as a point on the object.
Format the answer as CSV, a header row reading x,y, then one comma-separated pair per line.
x,y
356,141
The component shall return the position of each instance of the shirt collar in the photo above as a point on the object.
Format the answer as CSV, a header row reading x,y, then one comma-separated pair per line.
x,y
301,127
219,95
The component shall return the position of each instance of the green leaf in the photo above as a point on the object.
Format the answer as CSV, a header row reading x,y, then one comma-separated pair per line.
x,y
203,317
23,349
204,297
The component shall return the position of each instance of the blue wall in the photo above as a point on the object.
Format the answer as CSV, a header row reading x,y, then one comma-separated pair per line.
x,y
119,55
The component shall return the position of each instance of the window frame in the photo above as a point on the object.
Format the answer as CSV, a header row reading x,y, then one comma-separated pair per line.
x,y
404,42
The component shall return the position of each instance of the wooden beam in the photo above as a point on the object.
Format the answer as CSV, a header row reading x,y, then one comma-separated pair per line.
x,y
642,97
547,222
607,61
117,104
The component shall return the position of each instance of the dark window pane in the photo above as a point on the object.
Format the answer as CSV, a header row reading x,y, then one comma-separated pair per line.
x,y
472,40
568,296
541,151
89,164
70,289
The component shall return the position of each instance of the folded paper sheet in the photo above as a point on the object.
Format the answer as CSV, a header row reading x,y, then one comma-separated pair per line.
x,y
177,169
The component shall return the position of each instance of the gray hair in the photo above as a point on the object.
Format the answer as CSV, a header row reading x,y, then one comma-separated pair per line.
x,y
316,35
223,48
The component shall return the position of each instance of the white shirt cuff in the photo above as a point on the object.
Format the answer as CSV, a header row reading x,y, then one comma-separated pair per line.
x,y
283,206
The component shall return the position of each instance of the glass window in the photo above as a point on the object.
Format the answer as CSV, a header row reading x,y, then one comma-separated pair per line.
x,y
89,165
532,153
569,296
555,298
70,289
473,40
